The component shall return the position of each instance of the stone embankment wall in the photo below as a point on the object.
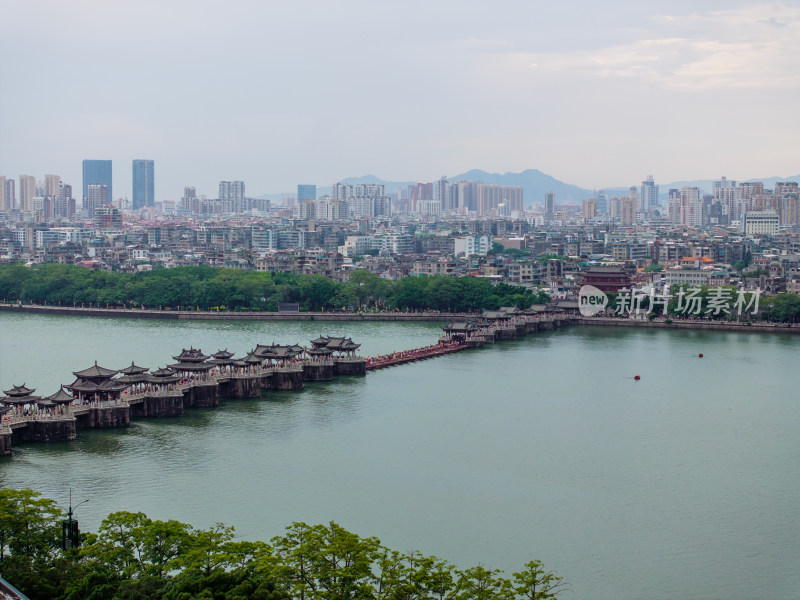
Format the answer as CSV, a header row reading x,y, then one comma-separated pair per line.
x,y
228,316
678,324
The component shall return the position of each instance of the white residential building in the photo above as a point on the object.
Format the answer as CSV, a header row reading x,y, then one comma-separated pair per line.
x,y
761,222
473,244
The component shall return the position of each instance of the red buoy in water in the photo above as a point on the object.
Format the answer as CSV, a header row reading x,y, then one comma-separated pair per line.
x,y
700,355
637,378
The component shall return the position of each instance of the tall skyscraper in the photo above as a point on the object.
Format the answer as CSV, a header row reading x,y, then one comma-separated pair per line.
x,y
11,197
648,196
51,185
143,184
3,201
27,192
306,192
549,206
441,194
97,172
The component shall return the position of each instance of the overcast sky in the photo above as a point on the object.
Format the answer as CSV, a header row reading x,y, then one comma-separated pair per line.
x,y
279,93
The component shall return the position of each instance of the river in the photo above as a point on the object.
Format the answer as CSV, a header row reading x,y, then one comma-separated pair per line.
x,y
684,484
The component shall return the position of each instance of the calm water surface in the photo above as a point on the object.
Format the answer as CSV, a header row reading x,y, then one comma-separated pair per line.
x,y
682,485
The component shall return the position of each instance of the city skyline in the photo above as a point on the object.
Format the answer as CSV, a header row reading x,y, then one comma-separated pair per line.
x,y
100,171
564,89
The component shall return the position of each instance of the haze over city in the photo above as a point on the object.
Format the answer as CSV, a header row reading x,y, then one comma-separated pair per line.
x,y
595,94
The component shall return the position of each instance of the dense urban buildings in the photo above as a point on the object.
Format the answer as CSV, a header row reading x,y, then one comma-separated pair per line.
x,y
730,233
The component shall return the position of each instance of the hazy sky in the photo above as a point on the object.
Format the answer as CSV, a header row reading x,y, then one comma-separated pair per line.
x,y
279,93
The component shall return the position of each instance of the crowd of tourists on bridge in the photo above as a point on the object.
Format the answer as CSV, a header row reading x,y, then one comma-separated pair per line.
x,y
404,356
34,412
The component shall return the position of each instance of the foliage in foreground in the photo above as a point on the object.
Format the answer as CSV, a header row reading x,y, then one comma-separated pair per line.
x,y
209,287
132,557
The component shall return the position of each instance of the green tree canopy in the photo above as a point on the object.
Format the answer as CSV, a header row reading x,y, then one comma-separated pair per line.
x,y
135,557
209,288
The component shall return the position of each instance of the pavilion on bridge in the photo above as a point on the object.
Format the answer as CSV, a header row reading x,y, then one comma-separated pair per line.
x,y
21,399
96,384
342,347
278,354
460,330
223,360
191,364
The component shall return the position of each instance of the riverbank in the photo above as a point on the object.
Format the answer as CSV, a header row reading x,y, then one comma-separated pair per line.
x,y
755,327
135,313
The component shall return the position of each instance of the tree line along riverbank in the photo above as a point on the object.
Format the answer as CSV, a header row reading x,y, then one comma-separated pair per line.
x,y
213,315
209,288
134,557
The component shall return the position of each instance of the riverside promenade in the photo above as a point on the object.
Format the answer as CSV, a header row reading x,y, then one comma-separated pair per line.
x,y
195,315
699,324
378,316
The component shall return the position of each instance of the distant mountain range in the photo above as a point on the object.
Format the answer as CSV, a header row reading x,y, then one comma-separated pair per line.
x,y
535,185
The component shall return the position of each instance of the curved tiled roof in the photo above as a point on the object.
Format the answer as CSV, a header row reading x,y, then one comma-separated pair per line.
x,y
19,390
95,372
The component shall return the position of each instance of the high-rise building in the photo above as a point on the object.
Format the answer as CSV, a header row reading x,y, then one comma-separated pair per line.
x,y
143,184
633,196
10,194
306,192
51,185
189,201
724,182
549,206
789,210
417,193
648,195
627,210
731,199
97,172
61,204
231,196
3,201
96,197
342,191
602,203
442,195
490,196
689,207
306,210
590,209
27,192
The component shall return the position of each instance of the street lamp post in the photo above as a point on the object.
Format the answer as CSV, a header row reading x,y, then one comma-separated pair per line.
x,y
71,535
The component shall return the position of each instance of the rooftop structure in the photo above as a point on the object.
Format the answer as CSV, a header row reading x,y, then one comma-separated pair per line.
x,y
608,279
